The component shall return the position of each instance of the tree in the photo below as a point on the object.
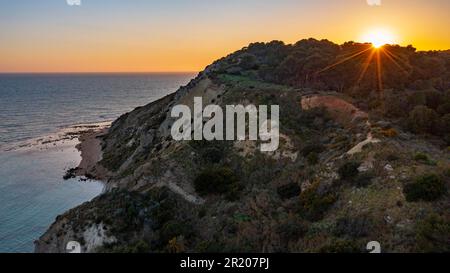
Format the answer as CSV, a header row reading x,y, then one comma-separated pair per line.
x,y
423,120
248,61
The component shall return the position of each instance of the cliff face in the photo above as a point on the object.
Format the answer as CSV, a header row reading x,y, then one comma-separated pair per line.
x,y
310,195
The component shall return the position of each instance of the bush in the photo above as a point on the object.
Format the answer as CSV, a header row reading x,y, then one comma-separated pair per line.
x,y
354,227
427,188
421,157
349,170
444,126
216,180
176,245
392,157
313,203
363,179
214,246
423,120
447,140
444,109
173,229
433,234
136,247
433,98
212,154
394,106
312,158
289,191
248,61
390,132
312,148
341,246
292,229
447,172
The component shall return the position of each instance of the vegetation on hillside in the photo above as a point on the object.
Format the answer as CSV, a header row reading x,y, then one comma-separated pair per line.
x,y
309,196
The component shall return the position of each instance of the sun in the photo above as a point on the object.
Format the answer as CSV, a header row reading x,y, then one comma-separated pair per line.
x,y
379,37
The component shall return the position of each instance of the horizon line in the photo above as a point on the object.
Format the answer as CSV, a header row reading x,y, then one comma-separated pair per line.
x,y
97,72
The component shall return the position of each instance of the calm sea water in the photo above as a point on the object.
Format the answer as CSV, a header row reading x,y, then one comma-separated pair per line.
x,y
32,191
32,105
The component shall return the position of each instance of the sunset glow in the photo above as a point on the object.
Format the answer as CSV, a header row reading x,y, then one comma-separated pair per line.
x,y
179,35
379,38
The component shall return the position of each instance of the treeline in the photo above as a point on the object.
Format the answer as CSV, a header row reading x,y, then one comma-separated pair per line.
x,y
401,82
328,66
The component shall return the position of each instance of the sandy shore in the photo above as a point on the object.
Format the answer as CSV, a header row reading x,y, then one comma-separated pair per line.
x,y
91,153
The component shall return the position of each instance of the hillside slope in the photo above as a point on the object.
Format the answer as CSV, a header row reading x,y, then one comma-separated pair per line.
x,y
356,163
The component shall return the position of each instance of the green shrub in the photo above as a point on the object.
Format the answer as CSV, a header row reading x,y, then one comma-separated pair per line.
x,y
289,191
342,246
426,188
174,229
421,157
248,61
292,229
214,246
416,99
433,234
394,106
447,140
392,157
363,179
312,148
314,203
355,227
312,158
444,126
136,247
216,180
423,120
212,154
433,98
447,172
349,170
444,109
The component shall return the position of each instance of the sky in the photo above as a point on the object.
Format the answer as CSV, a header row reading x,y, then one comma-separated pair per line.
x,y
187,35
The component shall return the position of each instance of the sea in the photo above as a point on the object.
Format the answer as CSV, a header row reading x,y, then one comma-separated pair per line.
x,y
36,112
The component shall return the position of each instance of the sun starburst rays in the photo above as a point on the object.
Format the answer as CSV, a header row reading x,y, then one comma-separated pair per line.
x,y
376,56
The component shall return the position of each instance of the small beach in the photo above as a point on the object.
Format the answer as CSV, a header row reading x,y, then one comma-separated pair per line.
x,y
33,191
43,118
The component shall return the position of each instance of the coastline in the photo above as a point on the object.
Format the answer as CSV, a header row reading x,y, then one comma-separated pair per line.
x,y
91,153
84,138
32,186
64,136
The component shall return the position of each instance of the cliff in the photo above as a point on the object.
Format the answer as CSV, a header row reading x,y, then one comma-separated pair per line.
x,y
316,193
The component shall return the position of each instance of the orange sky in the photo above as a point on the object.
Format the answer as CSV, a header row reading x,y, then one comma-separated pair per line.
x,y
186,35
